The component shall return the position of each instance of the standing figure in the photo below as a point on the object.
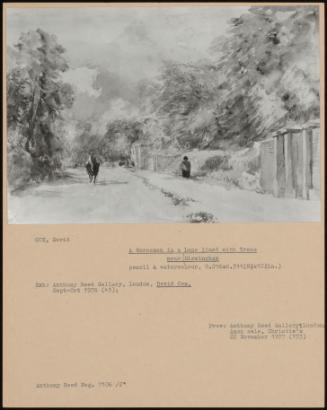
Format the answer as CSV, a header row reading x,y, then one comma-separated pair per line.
x,y
185,167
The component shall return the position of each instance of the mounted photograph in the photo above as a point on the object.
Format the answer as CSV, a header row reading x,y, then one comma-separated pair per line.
x,y
162,114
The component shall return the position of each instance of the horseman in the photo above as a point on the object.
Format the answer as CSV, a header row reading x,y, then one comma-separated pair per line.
x,y
92,167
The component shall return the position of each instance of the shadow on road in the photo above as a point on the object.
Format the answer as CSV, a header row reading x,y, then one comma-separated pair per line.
x,y
111,182
76,177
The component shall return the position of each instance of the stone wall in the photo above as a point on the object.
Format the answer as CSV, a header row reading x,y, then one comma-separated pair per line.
x,y
166,162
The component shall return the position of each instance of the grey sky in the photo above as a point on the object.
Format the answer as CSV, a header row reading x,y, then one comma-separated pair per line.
x,y
131,41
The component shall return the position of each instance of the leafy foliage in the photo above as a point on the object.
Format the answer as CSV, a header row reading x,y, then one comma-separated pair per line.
x,y
271,61
115,144
263,75
36,97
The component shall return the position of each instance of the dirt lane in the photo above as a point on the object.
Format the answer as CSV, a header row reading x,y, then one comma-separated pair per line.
x,y
117,197
127,196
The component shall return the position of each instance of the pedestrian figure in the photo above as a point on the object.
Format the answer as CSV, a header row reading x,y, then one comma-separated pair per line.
x,y
185,167
92,167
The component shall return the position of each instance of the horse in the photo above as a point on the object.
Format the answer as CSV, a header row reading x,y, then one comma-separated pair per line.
x,y
93,170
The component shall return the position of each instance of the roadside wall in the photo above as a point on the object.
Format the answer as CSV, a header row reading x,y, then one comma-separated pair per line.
x,y
290,163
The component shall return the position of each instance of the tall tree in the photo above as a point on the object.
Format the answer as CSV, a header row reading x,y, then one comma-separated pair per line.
x,y
36,93
270,62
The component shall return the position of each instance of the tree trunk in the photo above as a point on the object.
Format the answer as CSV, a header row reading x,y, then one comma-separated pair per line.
x,y
30,131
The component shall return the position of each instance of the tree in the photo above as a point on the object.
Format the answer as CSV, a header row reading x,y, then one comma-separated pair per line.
x,y
270,59
119,137
184,102
37,95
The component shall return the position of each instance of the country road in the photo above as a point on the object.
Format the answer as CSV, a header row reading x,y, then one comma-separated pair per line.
x,y
127,196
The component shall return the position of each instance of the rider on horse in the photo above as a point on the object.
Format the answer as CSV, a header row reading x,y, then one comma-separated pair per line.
x,y
92,167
